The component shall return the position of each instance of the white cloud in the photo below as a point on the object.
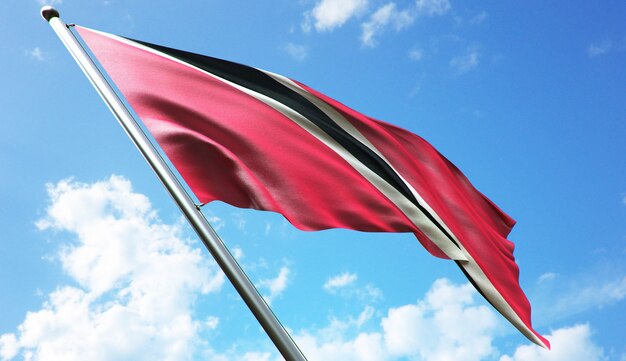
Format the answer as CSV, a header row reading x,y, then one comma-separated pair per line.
x,y
9,346
389,15
37,54
299,53
340,281
465,62
599,49
364,316
129,303
568,344
364,347
276,286
330,14
446,325
624,200
332,343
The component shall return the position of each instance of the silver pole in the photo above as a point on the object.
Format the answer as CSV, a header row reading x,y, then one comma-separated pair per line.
x,y
277,333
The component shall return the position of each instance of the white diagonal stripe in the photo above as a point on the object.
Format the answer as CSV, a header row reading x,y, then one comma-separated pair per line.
x,y
469,264
433,232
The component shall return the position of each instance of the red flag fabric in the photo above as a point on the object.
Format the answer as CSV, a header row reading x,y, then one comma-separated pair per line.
x,y
255,139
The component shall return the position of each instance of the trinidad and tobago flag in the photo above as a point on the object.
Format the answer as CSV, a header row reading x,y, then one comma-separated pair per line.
x,y
256,139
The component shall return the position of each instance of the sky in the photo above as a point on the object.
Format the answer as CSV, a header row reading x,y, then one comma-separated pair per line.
x,y
528,99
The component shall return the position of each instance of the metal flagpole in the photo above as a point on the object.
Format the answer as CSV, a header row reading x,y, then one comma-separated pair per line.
x,y
277,333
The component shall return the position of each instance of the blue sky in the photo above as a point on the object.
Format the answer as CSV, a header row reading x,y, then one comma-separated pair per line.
x,y
528,99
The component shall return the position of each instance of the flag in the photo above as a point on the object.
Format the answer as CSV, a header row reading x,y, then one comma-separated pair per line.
x,y
256,139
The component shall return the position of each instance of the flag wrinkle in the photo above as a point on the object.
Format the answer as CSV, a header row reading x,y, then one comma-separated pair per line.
x,y
256,195
190,120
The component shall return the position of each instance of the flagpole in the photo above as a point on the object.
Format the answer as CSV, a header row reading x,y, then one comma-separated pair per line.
x,y
272,326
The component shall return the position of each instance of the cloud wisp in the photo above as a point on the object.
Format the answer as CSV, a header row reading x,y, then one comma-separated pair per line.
x,y
340,281
297,51
598,49
466,62
37,54
389,15
277,285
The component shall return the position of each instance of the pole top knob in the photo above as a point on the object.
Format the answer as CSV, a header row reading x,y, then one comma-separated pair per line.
x,y
48,12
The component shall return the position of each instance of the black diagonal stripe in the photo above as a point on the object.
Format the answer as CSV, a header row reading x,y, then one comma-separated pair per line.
x,y
262,83
474,283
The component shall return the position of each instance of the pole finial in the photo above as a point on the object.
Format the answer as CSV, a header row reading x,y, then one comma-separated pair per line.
x,y
48,12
